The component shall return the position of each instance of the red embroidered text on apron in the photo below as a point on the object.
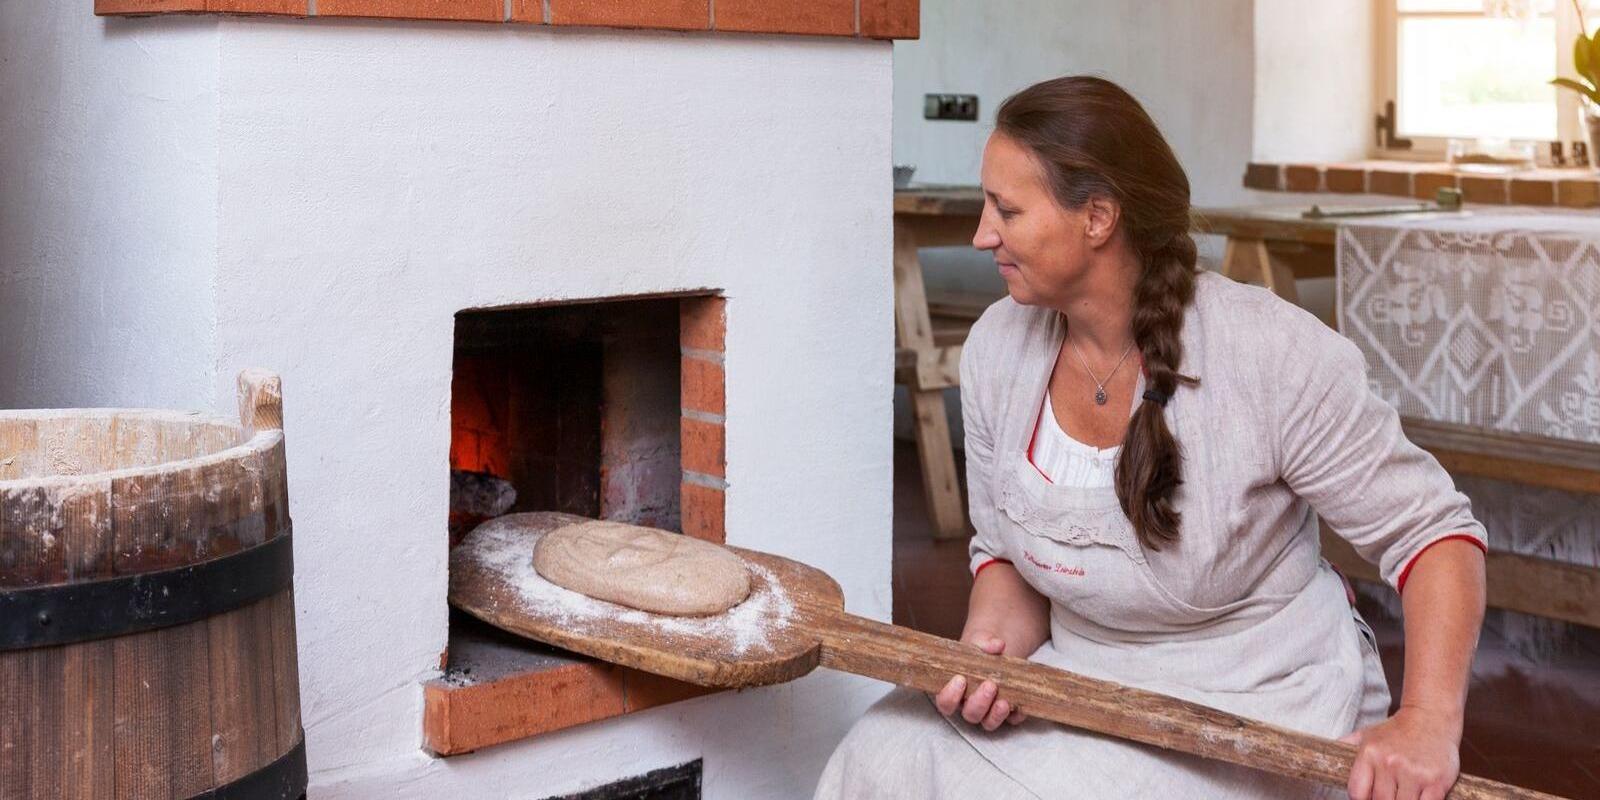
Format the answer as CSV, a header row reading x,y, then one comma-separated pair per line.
x,y
1058,568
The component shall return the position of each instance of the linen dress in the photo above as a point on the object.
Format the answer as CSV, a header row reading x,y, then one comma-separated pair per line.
x,y
1241,614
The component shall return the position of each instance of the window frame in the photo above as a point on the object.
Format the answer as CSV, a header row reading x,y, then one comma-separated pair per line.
x,y
1386,43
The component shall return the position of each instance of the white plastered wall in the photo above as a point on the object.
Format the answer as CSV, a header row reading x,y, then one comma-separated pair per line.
x,y
180,198
1313,80
108,183
1189,63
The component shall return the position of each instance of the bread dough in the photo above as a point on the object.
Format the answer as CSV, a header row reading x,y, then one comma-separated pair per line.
x,y
643,568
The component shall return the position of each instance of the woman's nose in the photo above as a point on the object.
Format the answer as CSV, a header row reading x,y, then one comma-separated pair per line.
x,y
986,237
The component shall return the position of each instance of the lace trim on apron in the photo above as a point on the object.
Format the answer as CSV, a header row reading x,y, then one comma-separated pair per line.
x,y
1092,521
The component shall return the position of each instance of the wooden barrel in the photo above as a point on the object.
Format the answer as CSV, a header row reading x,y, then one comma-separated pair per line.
x,y
147,645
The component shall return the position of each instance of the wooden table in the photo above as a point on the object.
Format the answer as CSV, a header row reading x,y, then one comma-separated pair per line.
x,y
1271,246
928,361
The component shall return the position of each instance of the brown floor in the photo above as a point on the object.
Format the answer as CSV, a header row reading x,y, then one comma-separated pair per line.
x,y
1530,724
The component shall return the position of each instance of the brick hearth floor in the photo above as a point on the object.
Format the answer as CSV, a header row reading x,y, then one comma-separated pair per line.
x,y
1530,724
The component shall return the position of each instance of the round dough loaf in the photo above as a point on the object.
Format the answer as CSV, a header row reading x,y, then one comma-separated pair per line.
x,y
643,568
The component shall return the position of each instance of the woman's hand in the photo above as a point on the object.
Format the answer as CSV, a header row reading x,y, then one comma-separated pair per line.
x,y
1414,755
982,706
1004,615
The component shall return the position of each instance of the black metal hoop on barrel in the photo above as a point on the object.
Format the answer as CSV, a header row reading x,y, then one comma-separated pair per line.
x,y
284,779
43,616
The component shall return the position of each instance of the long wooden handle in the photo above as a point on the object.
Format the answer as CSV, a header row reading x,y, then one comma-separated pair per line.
x,y
920,661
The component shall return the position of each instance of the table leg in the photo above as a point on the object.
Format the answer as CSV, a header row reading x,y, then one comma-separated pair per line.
x,y
914,330
1248,260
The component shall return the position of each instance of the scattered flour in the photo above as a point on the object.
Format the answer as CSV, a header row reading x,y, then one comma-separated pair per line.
x,y
742,630
61,455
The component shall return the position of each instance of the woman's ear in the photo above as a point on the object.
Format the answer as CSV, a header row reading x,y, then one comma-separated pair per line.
x,y
1100,219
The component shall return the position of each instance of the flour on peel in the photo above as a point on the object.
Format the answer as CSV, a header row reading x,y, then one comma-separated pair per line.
x,y
745,628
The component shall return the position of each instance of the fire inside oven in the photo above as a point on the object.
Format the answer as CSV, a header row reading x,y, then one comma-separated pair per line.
x,y
570,408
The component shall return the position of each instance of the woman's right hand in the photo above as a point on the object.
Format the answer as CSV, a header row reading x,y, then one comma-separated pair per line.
x,y
980,705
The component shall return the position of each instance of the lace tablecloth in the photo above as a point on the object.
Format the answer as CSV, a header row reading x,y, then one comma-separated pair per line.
x,y
1490,320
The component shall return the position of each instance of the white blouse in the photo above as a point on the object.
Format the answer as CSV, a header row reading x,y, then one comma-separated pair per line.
x,y
1065,461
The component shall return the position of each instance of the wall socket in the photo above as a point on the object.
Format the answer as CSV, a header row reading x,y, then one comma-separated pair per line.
x,y
950,106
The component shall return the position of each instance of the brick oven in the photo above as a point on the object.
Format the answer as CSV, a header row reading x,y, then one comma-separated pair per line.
x,y
579,408
611,409
628,259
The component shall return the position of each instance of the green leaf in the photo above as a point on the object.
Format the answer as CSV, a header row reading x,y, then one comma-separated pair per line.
x,y
1568,83
1593,60
1580,55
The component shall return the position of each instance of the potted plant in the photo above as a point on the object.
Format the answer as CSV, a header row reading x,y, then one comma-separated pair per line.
x,y
1586,61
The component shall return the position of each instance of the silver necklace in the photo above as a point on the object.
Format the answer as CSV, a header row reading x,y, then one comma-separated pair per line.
x,y
1099,385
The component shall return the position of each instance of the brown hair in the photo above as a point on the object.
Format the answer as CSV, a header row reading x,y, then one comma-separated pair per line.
x,y
1094,139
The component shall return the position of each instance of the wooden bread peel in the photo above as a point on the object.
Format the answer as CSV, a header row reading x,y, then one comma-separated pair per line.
x,y
794,621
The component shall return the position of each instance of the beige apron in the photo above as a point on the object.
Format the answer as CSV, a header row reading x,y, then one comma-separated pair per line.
x,y
1298,660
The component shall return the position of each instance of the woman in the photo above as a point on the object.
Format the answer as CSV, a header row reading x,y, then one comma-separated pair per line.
x,y
1146,446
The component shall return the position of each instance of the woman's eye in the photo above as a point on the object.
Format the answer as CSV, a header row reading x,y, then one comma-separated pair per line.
x,y
1006,213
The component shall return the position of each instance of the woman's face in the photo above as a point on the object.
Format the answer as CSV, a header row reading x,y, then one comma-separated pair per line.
x,y
1041,249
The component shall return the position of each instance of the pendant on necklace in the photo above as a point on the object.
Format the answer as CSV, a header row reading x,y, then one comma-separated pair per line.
x,y
1099,397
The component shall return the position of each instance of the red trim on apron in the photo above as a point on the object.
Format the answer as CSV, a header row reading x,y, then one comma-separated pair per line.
x,y
1035,435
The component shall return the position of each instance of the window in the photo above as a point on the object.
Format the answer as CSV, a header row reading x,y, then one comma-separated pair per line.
x,y
1478,68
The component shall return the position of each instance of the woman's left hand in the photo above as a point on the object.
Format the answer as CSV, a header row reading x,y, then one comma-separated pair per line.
x,y
1413,755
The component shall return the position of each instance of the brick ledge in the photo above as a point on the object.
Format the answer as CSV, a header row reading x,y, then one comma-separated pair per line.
x,y
499,689
865,19
1568,188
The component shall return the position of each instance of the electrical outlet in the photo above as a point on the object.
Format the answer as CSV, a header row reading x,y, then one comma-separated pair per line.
x,y
950,106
